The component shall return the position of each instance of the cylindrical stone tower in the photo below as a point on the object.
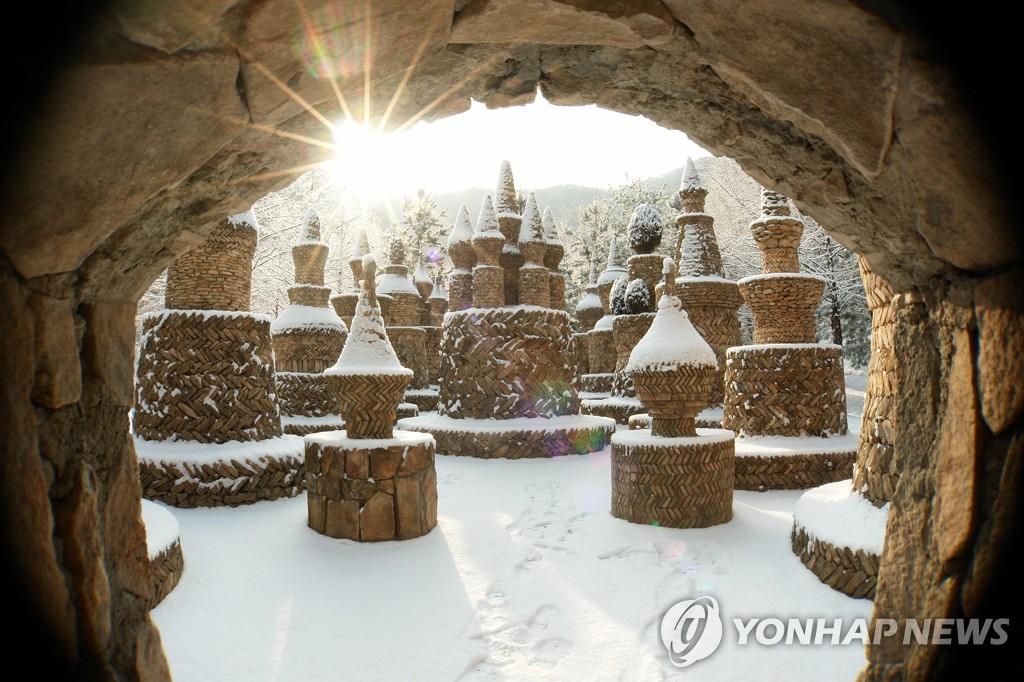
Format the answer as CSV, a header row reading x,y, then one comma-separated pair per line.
x,y
711,300
786,385
308,336
534,284
206,377
460,250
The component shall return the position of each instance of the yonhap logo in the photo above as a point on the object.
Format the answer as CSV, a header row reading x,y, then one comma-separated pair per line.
x,y
691,630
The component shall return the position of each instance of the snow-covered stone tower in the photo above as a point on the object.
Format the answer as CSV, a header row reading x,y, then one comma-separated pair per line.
x,y
601,339
507,375
711,300
370,482
206,420
786,385
307,336
672,474
633,301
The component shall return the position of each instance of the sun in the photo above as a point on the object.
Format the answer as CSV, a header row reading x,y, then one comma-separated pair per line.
x,y
367,162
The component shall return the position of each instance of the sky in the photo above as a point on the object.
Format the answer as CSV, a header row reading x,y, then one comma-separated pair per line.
x,y
546,145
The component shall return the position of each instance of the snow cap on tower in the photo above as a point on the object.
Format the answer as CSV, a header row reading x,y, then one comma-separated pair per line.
x,y
462,231
310,231
550,231
505,194
614,269
487,221
368,349
532,229
691,178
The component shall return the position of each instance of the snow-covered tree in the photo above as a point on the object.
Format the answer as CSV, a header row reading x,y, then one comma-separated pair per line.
x,y
423,229
637,297
587,240
645,228
617,297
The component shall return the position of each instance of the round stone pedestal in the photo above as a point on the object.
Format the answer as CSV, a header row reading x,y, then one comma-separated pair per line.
x,y
674,482
371,489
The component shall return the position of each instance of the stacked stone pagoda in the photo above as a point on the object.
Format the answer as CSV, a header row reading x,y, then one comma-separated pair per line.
x,y
633,304
553,260
601,339
839,528
711,300
463,256
345,302
425,396
370,482
206,420
588,312
785,396
673,474
402,307
509,223
307,338
506,386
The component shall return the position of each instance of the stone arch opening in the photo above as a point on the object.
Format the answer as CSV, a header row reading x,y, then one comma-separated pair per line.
x,y
159,121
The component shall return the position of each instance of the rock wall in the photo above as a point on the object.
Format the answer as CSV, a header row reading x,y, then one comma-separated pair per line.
x,y
162,116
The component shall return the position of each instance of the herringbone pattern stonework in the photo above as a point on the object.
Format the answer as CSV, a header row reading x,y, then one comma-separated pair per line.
x,y
852,572
207,378
506,363
679,486
792,472
785,391
223,483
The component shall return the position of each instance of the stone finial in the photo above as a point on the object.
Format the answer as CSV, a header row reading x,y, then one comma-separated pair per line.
x,y
487,238
422,280
692,190
669,271
774,203
614,259
645,228
487,221
531,233
777,234
369,264
396,252
460,241
556,250
505,193
355,261
310,226
592,281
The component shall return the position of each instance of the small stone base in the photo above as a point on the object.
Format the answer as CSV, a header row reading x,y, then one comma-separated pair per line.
x,y
597,383
187,475
619,409
780,463
303,426
406,410
371,490
673,482
708,419
852,571
515,438
167,567
423,398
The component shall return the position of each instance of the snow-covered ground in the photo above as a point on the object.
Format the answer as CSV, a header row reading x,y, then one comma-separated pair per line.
x,y
527,576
